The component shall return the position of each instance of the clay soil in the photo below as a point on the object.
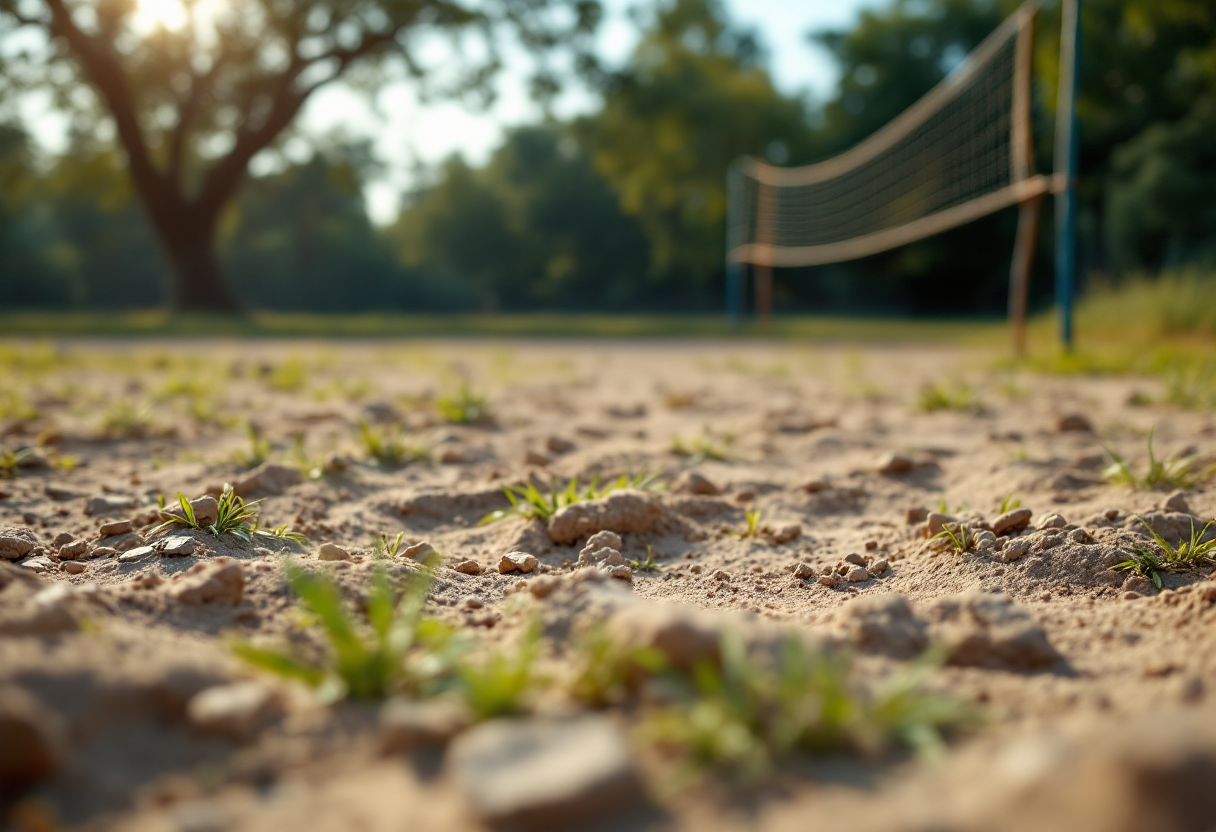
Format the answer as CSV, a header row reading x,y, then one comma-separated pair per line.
x,y
1098,713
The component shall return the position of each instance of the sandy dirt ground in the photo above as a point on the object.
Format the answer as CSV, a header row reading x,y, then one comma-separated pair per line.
x,y
123,706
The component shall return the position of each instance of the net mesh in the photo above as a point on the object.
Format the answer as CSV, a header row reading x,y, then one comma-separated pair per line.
x,y
948,159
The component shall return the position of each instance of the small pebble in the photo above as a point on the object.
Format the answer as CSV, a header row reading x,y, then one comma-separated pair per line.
x,y
73,567
804,571
468,567
858,573
330,551
472,602
855,559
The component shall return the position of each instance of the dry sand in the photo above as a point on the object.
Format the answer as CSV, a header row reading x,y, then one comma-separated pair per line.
x,y
1098,691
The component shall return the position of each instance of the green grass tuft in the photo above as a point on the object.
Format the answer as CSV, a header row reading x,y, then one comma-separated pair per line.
x,y
1172,472
388,447
933,397
234,516
529,502
463,406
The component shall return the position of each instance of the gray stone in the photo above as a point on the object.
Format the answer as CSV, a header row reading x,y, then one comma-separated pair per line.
x,y
1177,502
545,773
1013,550
138,554
935,522
179,546
114,527
38,564
268,478
108,505
1051,521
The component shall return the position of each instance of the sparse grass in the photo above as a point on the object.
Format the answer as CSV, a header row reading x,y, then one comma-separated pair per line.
x,y
235,516
503,682
937,396
14,405
1143,561
123,419
12,461
1009,503
751,525
397,651
649,564
388,446
463,406
606,670
1190,552
747,714
1172,472
961,538
528,502
383,548
290,376
705,446
257,452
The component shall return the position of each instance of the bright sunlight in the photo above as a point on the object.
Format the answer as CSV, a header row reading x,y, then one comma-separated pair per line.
x,y
156,14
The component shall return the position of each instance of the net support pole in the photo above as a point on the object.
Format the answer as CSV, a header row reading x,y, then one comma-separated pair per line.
x,y
766,214
1066,167
1022,164
735,233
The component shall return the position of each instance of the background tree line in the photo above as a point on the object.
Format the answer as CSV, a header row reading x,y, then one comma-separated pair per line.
x,y
624,209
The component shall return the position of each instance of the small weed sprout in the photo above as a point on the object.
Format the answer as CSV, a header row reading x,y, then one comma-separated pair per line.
x,y
388,447
649,564
706,446
528,502
749,712
124,420
398,651
961,538
751,526
257,452
12,461
1009,503
1171,472
385,549
290,376
463,406
502,684
934,397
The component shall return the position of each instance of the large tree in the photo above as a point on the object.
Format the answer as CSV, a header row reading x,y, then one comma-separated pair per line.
x,y
192,104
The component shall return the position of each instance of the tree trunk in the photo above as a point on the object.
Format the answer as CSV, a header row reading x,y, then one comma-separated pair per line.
x,y
199,281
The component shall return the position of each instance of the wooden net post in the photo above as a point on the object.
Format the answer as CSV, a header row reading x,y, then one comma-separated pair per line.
x,y
763,267
1022,162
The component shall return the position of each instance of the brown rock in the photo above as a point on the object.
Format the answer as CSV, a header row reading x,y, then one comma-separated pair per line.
x,y
32,740
73,550
108,505
884,623
804,571
1074,421
916,514
988,630
557,445
786,533
468,567
858,574
73,567
621,511
16,542
237,710
406,724
936,522
114,527
545,773
1012,521
693,483
221,581
536,458
331,551
1176,502
894,464
517,562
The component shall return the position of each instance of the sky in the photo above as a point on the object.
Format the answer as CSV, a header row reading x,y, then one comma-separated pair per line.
x,y
407,134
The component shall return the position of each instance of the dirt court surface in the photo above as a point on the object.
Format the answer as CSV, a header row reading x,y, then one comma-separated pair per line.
x,y
123,706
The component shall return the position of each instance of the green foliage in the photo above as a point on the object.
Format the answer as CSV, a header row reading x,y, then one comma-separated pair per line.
x,y
1191,552
1143,561
234,516
649,564
705,446
606,671
528,502
12,461
750,712
933,397
388,447
123,419
383,548
501,684
751,526
961,538
290,376
463,406
258,451
397,651
1009,503
1172,472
